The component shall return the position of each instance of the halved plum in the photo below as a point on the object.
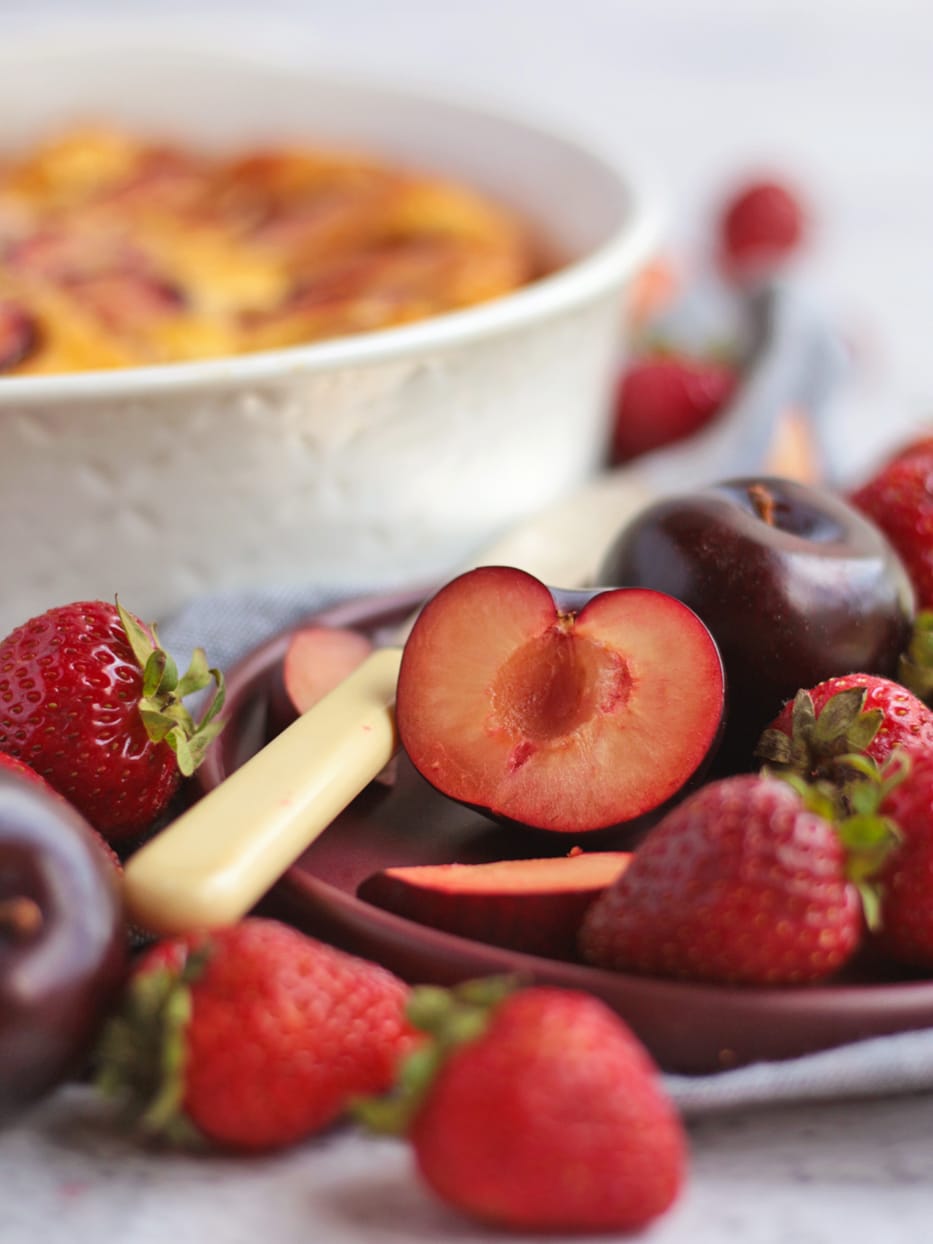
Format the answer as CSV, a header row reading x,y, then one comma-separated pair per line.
x,y
562,711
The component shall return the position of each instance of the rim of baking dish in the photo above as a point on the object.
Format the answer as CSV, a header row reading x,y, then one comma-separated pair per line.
x,y
576,283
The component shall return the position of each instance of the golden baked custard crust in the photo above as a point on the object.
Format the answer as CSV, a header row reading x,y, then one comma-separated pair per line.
x,y
118,252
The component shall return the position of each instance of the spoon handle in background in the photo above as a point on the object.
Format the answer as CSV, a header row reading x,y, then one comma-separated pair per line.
x,y
213,863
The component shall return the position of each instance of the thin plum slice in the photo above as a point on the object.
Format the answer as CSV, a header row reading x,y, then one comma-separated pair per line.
x,y
534,906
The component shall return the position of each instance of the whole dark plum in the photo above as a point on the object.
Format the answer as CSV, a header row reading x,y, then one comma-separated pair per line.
x,y
62,940
793,583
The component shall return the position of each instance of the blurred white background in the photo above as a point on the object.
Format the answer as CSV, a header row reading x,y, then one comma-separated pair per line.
x,y
839,96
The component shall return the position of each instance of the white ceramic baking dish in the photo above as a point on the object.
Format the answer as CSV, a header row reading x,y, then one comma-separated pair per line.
x,y
370,461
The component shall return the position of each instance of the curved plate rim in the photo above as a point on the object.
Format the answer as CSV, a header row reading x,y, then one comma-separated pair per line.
x,y
835,1013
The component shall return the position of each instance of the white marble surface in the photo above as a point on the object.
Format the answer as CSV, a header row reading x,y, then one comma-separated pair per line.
x,y
853,1172
838,94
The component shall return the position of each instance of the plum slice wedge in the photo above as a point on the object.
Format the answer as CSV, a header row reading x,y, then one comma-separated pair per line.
x,y
534,906
317,659
560,711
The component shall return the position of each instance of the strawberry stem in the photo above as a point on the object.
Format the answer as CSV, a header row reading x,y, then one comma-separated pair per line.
x,y
762,500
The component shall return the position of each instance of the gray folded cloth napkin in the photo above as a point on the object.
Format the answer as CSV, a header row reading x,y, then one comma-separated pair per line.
x,y
228,625
881,1066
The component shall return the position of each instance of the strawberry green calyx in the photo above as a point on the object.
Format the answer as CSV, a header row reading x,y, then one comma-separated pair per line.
x,y
854,808
867,834
140,1056
821,745
450,1018
161,705
915,669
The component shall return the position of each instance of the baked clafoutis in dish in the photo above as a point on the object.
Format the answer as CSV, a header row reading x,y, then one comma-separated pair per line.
x,y
117,251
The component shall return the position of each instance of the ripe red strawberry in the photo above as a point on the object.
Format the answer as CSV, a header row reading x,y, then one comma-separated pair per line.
x,y
899,499
666,398
740,883
762,224
906,881
861,713
89,700
19,767
252,1036
544,1114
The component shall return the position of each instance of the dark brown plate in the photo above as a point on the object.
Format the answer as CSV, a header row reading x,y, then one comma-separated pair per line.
x,y
688,1028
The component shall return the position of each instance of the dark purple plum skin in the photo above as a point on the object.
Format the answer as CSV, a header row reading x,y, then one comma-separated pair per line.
x,y
815,592
56,983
